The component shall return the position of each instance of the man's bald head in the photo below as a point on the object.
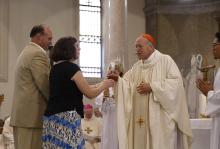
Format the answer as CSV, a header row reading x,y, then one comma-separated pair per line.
x,y
41,35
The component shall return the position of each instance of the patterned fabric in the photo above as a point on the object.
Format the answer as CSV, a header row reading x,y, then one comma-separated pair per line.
x,y
109,130
63,131
108,105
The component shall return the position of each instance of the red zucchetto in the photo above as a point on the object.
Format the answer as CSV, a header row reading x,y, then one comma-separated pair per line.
x,y
150,39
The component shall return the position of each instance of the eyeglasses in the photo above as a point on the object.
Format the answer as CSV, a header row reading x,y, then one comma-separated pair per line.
x,y
215,44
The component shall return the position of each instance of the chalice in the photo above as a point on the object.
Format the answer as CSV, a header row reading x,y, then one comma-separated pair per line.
x,y
205,71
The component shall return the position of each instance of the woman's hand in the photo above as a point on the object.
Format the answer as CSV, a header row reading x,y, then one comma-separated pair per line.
x,y
107,83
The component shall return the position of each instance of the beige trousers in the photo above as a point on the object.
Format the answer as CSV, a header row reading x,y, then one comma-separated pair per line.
x,y
27,138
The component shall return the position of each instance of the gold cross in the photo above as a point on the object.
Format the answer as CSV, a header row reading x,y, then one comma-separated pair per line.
x,y
88,130
140,121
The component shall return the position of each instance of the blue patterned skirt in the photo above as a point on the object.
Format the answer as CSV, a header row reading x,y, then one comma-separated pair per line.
x,y
63,131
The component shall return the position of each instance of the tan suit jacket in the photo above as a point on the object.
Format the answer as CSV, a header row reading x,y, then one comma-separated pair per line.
x,y
31,88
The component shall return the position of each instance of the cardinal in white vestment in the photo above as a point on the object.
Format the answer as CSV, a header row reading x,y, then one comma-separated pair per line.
x,y
151,102
91,128
213,96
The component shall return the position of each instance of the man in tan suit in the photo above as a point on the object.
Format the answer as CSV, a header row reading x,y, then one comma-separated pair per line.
x,y
31,90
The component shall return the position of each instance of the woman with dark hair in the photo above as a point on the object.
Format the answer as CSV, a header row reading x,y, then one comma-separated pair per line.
x,y
62,118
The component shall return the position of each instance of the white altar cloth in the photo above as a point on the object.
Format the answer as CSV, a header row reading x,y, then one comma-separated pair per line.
x,y
202,133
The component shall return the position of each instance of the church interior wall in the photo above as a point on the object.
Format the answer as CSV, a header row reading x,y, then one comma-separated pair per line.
x,y
23,14
181,35
61,17
131,27
135,27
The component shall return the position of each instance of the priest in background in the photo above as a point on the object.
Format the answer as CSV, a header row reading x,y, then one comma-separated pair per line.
x,y
151,102
97,113
213,96
91,128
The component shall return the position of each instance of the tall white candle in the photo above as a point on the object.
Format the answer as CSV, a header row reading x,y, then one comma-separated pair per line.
x,y
202,104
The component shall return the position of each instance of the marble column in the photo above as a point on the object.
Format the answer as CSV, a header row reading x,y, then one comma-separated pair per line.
x,y
114,32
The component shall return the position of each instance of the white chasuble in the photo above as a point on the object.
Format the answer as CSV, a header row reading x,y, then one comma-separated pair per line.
x,y
154,120
91,129
141,111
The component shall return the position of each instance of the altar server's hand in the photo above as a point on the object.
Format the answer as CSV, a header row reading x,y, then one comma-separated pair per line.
x,y
144,88
204,86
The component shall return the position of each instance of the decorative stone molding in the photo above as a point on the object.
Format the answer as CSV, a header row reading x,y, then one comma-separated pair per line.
x,y
183,8
4,23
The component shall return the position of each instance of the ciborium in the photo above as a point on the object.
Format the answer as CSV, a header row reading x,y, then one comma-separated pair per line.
x,y
115,66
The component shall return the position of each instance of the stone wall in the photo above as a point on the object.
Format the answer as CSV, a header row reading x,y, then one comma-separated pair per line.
x,y
183,28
